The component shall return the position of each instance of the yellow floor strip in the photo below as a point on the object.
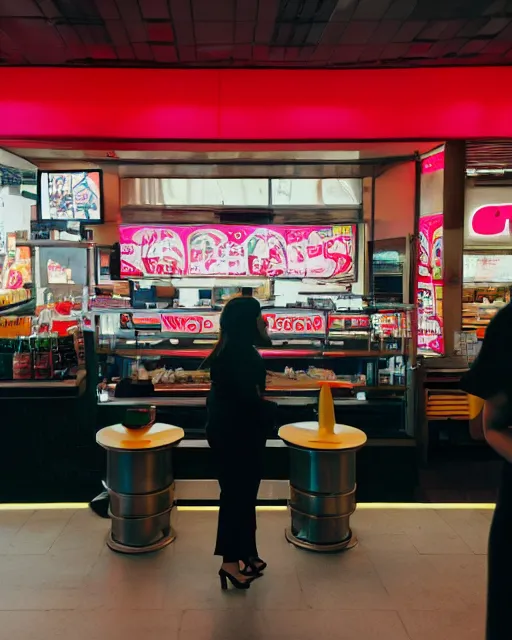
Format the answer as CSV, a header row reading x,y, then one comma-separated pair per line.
x,y
436,506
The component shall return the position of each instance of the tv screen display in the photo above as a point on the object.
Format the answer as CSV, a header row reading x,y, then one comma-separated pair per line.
x,y
71,196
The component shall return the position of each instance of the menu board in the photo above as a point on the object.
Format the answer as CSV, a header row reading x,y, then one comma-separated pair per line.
x,y
239,250
487,268
429,288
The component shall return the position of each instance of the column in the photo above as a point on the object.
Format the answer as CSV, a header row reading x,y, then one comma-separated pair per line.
x,y
453,238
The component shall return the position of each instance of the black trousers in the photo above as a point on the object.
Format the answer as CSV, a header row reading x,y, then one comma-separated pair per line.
x,y
499,581
239,466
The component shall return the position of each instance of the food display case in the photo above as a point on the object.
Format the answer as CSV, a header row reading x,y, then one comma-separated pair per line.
x,y
158,354
41,345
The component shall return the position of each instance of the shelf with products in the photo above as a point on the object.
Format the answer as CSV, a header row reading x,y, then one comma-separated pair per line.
x,y
367,348
480,304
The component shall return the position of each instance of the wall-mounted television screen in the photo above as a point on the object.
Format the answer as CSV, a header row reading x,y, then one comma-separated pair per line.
x,y
71,196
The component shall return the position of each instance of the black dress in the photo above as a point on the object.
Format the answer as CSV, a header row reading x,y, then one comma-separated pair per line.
x,y
237,428
491,374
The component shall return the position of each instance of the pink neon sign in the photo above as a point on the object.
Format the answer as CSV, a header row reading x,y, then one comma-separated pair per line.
x,y
491,219
239,250
429,284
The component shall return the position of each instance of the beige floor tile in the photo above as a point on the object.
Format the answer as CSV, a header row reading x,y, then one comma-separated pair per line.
x,y
393,521
445,542
200,589
98,625
472,527
413,582
346,581
382,542
39,532
463,575
42,598
67,570
445,625
10,523
292,625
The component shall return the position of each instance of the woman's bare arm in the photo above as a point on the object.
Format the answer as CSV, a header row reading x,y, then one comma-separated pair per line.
x,y
496,425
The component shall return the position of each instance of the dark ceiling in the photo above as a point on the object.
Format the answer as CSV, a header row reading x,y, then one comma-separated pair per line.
x,y
255,33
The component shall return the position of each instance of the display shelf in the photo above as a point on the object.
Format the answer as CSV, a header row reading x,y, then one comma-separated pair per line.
x,y
266,353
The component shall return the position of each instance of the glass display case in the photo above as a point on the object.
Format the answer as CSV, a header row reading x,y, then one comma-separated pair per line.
x,y
158,353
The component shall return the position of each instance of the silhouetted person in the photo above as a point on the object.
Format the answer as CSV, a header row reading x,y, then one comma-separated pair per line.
x,y
237,428
490,378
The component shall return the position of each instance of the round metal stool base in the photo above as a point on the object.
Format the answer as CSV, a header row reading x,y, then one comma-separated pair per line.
x,y
155,546
349,543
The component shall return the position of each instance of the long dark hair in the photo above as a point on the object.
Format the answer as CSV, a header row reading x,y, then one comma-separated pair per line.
x,y
238,327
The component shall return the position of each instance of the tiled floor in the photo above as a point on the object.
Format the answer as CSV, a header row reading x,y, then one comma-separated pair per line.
x,y
416,575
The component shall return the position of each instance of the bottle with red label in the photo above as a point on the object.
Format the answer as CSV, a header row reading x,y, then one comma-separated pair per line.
x,y
42,357
22,361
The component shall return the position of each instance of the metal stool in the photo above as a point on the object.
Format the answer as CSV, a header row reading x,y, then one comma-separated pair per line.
x,y
322,479
140,481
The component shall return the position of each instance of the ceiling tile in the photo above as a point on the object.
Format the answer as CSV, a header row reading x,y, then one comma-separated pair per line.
x,y
246,10
395,50
409,30
49,8
264,32
371,9
314,33
371,53
154,9
244,32
136,31
74,45
347,53
433,30
344,10
358,32
142,51
117,32
213,10
214,32
494,26
187,53
419,50
181,10
400,9
159,31
385,31
267,10
101,52
164,53
20,8
128,9
472,46
125,52
107,9
184,34
333,33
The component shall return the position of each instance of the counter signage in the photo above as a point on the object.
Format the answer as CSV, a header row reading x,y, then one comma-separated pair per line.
x,y
295,323
239,250
13,326
340,322
430,280
193,324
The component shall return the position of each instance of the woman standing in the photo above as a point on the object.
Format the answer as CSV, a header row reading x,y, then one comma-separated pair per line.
x,y
490,378
238,423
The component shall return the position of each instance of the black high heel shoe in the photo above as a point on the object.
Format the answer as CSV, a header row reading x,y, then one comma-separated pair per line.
x,y
238,584
254,568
